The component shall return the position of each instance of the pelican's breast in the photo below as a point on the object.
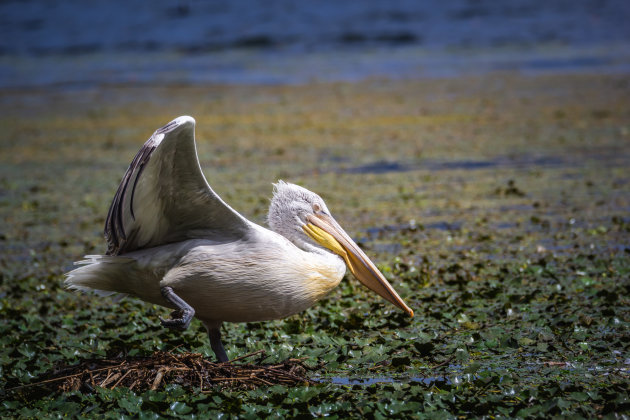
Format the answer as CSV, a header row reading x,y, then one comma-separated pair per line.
x,y
324,273
255,279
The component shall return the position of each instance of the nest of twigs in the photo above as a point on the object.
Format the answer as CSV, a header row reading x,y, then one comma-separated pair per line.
x,y
190,370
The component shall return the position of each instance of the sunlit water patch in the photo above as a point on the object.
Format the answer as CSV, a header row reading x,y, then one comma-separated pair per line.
x,y
366,381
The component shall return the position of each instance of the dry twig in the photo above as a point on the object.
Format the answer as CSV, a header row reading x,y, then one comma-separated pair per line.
x,y
190,370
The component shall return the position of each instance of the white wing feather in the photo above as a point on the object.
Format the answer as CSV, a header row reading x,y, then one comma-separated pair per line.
x,y
165,198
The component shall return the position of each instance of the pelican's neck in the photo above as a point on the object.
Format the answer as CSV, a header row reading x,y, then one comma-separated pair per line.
x,y
314,249
309,247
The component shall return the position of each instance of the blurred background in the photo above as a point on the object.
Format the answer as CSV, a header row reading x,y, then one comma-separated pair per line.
x,y
75,43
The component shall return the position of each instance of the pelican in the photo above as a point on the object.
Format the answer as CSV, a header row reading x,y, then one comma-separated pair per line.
x,y
172,241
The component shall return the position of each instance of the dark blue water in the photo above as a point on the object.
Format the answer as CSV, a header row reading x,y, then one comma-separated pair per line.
x,y
46,42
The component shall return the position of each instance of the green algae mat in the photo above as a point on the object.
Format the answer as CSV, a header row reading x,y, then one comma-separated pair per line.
x,y
498,206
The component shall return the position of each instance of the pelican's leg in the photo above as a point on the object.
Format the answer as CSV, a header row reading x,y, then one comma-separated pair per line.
x,y
182,316
217,346
214,334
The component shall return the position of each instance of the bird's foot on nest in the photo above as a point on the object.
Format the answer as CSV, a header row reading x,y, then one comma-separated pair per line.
x,y
177,321
181,317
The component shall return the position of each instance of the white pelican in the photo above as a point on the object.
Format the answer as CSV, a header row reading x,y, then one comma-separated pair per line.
x,y
172,241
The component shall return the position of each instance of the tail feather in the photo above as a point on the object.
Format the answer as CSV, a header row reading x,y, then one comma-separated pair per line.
x,y
102,274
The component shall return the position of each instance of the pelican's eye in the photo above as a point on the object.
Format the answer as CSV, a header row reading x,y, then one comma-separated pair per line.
x,y
317,208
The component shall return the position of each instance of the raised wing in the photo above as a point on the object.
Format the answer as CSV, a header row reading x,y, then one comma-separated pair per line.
x,y
164,197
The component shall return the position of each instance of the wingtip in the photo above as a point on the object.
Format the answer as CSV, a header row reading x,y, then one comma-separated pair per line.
x,y
185,119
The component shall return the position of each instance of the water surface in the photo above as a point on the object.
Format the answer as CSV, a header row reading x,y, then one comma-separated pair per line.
x,y
76,43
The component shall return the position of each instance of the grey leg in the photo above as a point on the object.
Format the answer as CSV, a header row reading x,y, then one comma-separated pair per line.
x,y
214,334
182,316
215,342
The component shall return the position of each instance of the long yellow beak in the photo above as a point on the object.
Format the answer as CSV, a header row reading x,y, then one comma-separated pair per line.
x,y
326,231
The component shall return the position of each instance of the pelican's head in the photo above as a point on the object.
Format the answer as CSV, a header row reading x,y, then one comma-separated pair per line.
x,y
302,217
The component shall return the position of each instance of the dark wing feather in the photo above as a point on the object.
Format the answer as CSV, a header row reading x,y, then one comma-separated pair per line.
x,y
164,197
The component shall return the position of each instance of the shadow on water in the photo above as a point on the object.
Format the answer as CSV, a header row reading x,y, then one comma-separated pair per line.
x,y
381,167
